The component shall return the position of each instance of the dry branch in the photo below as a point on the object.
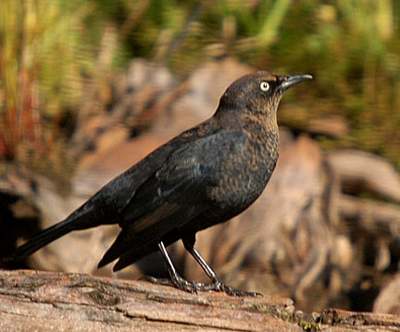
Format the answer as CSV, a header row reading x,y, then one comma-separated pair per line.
x,y
365,171
373,217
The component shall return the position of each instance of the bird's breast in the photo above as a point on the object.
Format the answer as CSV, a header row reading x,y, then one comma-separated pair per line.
x,y
244,175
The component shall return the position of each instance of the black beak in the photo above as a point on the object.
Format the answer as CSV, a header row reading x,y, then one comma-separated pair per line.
x,y
288,81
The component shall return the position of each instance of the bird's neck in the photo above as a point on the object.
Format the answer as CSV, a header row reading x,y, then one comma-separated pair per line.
x,y
235,119
266,123
263,131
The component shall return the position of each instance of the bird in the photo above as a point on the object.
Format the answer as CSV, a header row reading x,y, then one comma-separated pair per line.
x,y
204,176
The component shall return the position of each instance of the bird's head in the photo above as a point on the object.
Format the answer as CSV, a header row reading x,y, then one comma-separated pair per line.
x,y
258,93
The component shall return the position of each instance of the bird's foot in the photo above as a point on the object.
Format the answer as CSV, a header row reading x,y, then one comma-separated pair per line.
x,y
219,286
195,287
159,281
178,282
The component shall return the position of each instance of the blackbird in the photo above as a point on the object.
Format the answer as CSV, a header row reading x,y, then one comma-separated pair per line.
x,y
202,177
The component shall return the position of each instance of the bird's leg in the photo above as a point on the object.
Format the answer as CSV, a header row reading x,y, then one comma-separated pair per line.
x,y
217,284
176,279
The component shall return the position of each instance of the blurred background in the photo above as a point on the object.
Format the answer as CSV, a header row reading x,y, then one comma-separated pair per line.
x,y
89,87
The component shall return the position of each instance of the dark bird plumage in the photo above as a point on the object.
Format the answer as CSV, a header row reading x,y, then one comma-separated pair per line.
x,y
204,176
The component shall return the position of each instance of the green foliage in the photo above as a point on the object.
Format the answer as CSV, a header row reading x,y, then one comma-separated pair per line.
x,y
49,56
53,50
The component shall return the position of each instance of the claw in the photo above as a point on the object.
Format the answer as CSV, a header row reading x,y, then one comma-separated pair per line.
x,y
184,285
195,287
178,282
219,286
159,281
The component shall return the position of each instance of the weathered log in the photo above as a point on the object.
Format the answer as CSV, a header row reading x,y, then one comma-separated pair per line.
x,y
45,301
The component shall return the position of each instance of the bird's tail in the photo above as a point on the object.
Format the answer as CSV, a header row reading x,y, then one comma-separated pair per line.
x,y
40,240
77,220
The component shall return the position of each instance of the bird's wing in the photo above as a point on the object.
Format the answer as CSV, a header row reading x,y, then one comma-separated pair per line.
x,y
174,195
106,206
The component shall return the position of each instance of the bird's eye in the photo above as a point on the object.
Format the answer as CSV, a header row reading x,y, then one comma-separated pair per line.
x,y
264,86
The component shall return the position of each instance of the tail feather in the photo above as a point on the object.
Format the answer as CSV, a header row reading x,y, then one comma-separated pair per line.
x,y
42,239
81,218
87,216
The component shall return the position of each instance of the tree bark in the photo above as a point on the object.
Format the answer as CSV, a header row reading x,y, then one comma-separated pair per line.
x,y
48,301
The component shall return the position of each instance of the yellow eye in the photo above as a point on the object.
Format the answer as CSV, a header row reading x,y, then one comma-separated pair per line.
x,y
264,86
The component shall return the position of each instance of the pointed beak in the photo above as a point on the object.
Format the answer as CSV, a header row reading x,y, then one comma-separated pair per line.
x,y
288,81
